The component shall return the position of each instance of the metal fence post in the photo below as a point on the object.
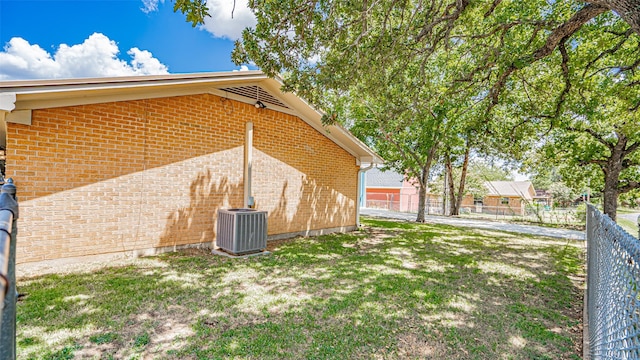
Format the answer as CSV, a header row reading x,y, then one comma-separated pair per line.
x,y
589,279
8,234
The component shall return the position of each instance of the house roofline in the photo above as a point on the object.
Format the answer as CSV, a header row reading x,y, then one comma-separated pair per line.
x,y
27,95
23,86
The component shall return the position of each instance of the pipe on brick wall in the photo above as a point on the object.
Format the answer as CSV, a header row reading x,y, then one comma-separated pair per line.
x,y
362,191
248,163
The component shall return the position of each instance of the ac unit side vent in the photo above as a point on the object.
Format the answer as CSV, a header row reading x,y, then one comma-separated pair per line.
x,y
241,231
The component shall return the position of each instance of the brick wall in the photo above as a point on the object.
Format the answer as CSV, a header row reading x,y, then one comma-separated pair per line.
x,y
493,205
135,175
383,198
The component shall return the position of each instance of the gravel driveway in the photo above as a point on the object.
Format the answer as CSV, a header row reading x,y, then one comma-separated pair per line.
x,y
479,224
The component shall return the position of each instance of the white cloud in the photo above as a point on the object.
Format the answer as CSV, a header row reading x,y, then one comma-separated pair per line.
x,y
242,68
97,56
227,18
21,60
144,63
221,24
150,5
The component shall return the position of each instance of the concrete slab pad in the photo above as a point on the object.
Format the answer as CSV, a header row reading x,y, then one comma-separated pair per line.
x,y
244,256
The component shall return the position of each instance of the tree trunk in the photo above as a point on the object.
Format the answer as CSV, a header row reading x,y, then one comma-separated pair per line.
x,y
424,182
611,179
456,197
610,194
463,178
452,210
422,193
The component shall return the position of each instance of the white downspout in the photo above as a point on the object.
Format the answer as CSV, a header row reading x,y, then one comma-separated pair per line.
x,y
361,193
248,162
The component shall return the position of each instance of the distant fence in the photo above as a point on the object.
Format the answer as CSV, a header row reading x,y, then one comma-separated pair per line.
x,y
526,212
613,293
401,202
532,213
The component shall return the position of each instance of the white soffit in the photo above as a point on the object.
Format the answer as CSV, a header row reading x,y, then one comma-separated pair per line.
x,y
245,86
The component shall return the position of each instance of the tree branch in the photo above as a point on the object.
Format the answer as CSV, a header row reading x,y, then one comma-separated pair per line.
x,y
558,35
611,51
628,10
401,150
627,163
594,134
448,18
492,8
632,66
627,186
602,164
565,74
633,147
594,161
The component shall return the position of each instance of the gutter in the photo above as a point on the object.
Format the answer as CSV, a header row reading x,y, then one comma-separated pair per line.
x,y
359,185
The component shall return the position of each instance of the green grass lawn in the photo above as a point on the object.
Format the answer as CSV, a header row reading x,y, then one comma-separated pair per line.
x,y
629,226
624,210
391,291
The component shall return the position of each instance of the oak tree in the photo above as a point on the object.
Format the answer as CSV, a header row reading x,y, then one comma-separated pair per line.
x,y
530,65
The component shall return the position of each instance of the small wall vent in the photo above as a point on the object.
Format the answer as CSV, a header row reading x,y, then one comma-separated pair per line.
x,y
241,231
256,93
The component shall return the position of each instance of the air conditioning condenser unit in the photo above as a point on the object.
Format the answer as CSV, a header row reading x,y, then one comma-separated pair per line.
x,y
241,231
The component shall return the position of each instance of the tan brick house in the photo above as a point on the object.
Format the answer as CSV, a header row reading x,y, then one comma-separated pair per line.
x,y
502,197
139,165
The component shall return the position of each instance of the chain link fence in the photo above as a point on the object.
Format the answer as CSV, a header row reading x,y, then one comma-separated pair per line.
x,y
402,202
613,294
534,213
527,213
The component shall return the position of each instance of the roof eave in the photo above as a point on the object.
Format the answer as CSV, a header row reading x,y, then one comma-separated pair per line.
x,y
33,94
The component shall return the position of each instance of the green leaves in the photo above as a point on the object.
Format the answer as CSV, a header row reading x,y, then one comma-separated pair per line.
x,y
561,78
194,10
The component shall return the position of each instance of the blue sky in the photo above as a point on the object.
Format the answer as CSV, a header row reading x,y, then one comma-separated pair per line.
x,y
91,38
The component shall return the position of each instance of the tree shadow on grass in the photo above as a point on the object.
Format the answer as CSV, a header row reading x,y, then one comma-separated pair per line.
x,y
412,294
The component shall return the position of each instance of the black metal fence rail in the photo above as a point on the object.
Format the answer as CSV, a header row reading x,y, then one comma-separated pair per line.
x,y
613,293
8,294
